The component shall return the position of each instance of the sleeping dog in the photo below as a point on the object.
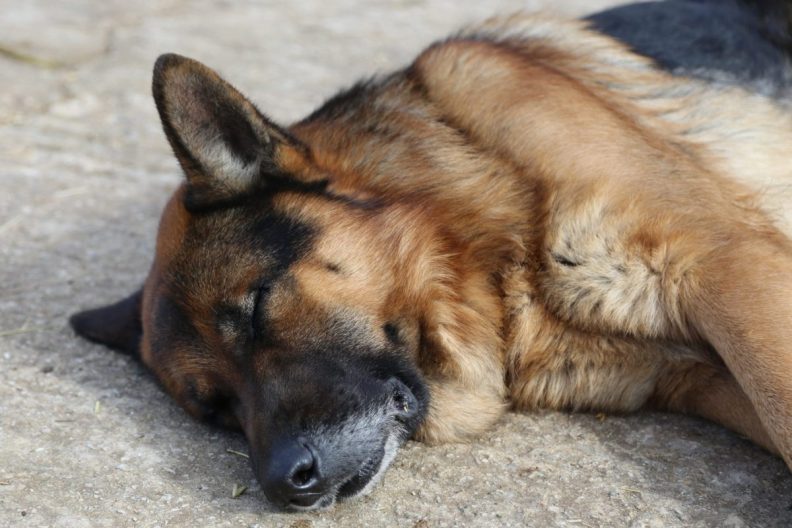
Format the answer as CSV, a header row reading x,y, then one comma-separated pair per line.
x,y
587,215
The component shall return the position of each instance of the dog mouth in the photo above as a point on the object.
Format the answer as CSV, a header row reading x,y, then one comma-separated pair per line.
x,y
359,484
315,466
356,485
371,470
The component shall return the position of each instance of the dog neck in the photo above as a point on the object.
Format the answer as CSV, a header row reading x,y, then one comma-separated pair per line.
x,y
416,159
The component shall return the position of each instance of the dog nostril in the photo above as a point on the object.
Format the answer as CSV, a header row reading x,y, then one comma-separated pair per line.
x,y
293,473
303,477
304,473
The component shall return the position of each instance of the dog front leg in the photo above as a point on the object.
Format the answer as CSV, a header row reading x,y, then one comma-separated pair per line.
x,y
740,300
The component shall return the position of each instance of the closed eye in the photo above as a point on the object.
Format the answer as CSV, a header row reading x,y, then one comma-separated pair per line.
x,y
392,333
218,409
260,297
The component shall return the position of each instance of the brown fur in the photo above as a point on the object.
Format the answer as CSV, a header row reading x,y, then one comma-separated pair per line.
x,y
551,222
600,208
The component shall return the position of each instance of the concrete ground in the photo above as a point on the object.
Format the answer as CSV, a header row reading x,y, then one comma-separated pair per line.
x,y
88,439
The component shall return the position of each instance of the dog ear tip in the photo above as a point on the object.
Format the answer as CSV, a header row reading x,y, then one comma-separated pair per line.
x,y
116,326
165,63
84,324
88,326
167,60
78,321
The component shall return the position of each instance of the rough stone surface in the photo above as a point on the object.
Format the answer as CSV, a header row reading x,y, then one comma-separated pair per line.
x,y
88,439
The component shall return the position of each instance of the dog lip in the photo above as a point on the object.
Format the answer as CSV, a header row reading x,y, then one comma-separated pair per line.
x,y
354,484
322,502
306,500
313,500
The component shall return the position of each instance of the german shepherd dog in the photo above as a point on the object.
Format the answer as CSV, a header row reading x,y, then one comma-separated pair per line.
x,y
586,215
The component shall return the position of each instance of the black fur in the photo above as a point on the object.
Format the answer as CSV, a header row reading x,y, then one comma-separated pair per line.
x,y
172,326
116,326
198,200
737,40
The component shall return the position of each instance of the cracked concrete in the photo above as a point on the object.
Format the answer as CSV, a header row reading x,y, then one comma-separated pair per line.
x,y
87,438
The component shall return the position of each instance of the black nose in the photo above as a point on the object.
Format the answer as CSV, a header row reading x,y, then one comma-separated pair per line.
x,y
293,476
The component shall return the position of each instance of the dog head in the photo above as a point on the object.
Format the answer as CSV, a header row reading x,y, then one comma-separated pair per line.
x,y
273,304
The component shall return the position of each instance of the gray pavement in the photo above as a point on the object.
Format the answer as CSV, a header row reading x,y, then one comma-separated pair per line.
x,y
88,439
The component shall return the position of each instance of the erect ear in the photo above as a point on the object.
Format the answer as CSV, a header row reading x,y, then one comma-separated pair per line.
x,y
224,144
116,326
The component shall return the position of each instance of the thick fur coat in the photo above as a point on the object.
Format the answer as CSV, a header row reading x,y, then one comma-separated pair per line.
x,y
534,214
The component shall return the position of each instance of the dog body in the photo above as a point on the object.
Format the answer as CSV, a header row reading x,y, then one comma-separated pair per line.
x,y
531,215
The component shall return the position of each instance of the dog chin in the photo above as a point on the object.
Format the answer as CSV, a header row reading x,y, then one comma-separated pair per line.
x,y
361,483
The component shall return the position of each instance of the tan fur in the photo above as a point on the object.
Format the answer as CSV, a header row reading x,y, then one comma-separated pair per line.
x,y
553,223
612,201
386,275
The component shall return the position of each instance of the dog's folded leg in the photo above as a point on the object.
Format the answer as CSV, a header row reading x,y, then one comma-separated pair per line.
x,y
741,302
710,391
